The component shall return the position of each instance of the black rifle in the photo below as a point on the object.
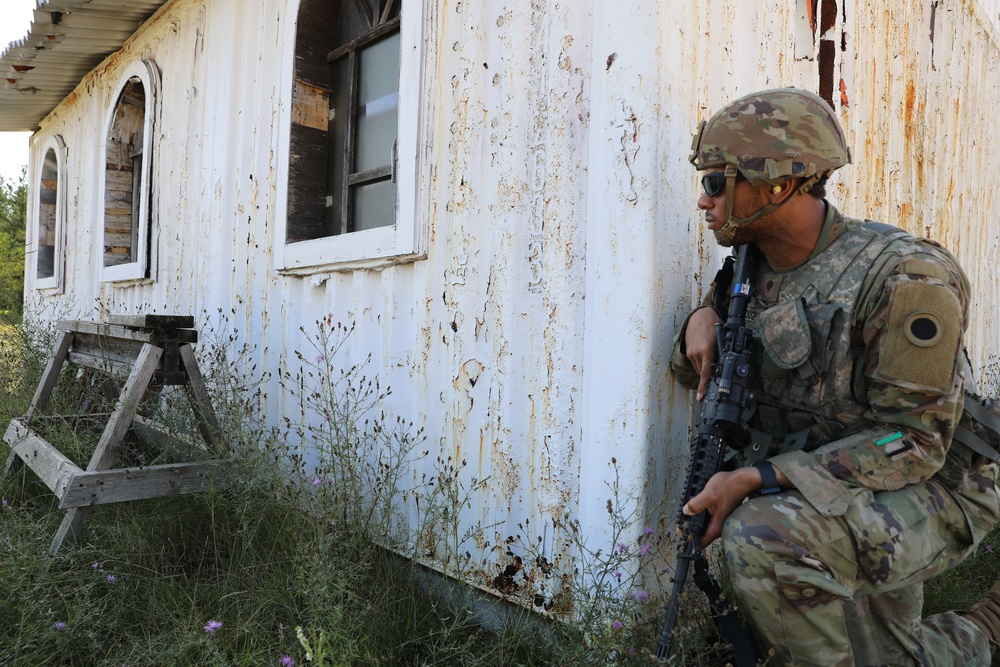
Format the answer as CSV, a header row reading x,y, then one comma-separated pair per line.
x,y
719,424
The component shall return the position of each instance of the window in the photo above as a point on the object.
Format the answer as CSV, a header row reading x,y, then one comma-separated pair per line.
x,y
49,237
126,154
352,138
363,114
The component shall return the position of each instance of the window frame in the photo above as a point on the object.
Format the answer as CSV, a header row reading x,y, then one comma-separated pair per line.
x,y
406,239
140,267
351,54
54,282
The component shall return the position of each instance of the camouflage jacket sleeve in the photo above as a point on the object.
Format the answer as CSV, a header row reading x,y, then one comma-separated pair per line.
x,y
679,363
909,325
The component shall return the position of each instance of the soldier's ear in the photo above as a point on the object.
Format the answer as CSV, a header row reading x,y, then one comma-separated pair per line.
x,y
782,191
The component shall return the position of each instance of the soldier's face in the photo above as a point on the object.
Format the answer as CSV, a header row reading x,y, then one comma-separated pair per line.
x,y
747,201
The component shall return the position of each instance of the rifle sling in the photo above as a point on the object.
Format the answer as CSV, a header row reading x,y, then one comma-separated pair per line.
x,y
726,618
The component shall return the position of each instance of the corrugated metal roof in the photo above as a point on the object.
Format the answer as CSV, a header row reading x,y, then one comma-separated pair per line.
x,y
66,39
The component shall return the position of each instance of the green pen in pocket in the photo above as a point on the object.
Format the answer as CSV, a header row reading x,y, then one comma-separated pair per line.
x,y
889,438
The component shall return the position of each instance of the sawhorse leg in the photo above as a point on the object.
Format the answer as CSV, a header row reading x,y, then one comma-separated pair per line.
x,y
45,386
111,439
201,402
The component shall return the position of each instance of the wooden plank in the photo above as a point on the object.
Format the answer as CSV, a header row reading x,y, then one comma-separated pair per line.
x,y
114,433
113,199
120,368
51,374
152,321
116,256
125,351
103,364
129,333
117,219
121,418
308,171
118,240
201,401
310,106
119,349
52,467
87,489
115,179
312,40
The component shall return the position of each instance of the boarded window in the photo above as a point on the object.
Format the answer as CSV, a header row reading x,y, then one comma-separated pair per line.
x,y
49,233
344,118
126,157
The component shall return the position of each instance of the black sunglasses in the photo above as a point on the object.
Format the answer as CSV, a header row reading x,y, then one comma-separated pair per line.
x,y
715,183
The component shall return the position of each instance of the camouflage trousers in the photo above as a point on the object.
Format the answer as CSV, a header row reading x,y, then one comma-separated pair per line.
x,y
847,590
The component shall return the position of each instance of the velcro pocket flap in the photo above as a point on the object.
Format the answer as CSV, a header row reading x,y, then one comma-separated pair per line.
x,y
784,333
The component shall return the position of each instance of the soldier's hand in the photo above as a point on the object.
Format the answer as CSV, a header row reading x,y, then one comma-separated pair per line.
x,y
700,345
724,492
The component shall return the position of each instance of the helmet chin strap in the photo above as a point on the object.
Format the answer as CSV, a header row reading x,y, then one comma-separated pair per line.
x,y
725,234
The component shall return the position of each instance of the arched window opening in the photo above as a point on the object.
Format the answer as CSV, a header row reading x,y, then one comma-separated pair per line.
x,y
48,217
126,176
48,242
123,175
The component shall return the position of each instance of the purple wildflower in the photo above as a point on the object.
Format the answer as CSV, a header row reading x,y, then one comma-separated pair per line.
x,y
212,626
317,481
638,596
647,530
5,503
286,661
59,625
112,578
617,574
989,548
621,547
617,625
96,565
644,549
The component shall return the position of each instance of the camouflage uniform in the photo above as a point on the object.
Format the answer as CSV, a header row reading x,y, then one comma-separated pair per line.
x,y
859,388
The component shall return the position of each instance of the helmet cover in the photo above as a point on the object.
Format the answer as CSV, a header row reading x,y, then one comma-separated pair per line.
x,y
774,135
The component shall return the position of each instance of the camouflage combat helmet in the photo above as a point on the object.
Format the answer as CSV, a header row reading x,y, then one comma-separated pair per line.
x,y
770,137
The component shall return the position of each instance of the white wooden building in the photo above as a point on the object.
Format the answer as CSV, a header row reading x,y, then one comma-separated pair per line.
x,y
512,225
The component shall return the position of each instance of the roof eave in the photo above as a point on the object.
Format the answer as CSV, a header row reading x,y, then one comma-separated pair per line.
x,y
65,41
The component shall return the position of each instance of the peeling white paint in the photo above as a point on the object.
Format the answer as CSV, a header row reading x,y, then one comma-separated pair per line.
x,y
563,244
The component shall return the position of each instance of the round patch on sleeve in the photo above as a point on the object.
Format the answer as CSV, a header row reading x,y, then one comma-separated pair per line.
x,y
922,329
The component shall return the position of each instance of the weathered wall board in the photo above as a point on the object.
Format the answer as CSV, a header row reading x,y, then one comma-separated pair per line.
x,y
549,178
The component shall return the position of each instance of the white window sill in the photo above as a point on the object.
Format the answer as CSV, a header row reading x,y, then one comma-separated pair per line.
x,y
369,249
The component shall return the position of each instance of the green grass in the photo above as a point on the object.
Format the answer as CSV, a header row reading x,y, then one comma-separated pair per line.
x,y
271,558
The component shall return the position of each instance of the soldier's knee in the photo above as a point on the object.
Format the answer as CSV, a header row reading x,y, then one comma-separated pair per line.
x,y
747,545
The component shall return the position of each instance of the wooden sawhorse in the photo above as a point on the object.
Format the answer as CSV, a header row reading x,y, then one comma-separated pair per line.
x,y
141,348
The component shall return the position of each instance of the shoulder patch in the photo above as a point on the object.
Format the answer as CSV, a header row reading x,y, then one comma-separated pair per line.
x,y
920,341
